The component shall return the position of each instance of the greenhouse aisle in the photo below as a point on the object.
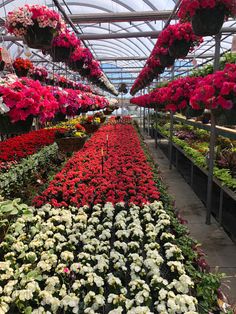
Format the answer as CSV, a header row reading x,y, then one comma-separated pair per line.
x,y
219,248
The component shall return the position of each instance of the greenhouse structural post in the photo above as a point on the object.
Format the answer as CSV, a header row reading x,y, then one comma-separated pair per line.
x,y
156,116
148,121
144,126
212,139
171,139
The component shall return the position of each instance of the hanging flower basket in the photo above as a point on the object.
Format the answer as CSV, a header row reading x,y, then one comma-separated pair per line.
x,y
179,48
167,60
59,117
39,38
21,72
60,54
71,144
208,21
90,128
19,127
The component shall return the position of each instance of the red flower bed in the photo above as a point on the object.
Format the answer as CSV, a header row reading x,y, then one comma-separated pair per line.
x,y
21,146
126,177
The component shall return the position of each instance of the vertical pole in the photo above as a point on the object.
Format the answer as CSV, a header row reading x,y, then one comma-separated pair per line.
x,y
144,124
140,119
212,138
171,128
148,121
156,127
171,139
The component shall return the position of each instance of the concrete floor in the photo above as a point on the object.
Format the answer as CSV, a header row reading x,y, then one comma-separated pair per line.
x,y
219,248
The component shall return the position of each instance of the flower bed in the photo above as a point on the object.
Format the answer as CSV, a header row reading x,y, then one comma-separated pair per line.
x,y
20,179
106,259
126,176
16,148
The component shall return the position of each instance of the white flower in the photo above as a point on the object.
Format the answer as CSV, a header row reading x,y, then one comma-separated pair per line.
x,y
119,310
67,256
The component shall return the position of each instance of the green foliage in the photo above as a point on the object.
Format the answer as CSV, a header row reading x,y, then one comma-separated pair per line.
x,y
207,285
225,176
22,173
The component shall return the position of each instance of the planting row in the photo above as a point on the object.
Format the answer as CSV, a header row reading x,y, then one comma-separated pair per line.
x,y
108,168
102,259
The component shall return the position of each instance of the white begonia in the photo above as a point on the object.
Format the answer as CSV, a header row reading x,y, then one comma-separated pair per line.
x,y
93,278
6,272
140,310
8,288
113,280
44,266
23,294
162,294
121,245
119,310
95,301
176,266
71,301
167,236
67,256
116,298
40,310
52,283
4,307
173,250
48,299
182,285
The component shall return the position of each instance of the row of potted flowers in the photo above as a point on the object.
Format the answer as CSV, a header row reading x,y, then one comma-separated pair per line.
x,y
192,95
197,18
44,29
108,168
101,259
24,98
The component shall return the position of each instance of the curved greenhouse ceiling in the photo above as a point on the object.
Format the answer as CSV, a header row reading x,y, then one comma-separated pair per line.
x,y
121,58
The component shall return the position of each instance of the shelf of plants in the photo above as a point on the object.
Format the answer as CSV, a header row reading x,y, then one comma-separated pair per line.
x,y
104,237
189,154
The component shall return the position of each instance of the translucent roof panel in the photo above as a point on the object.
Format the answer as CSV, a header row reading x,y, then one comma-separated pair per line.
x,y
123,55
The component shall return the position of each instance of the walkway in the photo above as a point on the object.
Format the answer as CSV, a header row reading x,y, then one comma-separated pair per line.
x,y
220,250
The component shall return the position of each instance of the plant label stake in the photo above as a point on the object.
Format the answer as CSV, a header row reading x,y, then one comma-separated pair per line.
x,y
107,145
102,160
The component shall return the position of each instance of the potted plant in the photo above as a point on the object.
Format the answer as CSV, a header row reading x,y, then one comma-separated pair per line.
x,y
23,100
37,24
207,17
22,66
38,73
217,92
62,46
72,139
90,123
181,39
79,58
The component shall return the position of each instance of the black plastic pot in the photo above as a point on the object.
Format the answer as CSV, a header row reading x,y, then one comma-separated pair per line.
x,y
2,64
60,54
166,60
39,38
179,48
208,22
19,127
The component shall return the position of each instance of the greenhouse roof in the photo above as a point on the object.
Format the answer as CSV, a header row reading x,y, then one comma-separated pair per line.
x,y
130,41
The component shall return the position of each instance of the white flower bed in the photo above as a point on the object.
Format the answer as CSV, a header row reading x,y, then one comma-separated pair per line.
x,y
99,260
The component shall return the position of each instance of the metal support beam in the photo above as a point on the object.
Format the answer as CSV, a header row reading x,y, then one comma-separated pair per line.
x,y
152,34
121,17
212,138
116,17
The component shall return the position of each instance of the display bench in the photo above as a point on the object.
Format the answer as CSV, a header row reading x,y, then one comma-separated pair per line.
x,y
223,199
